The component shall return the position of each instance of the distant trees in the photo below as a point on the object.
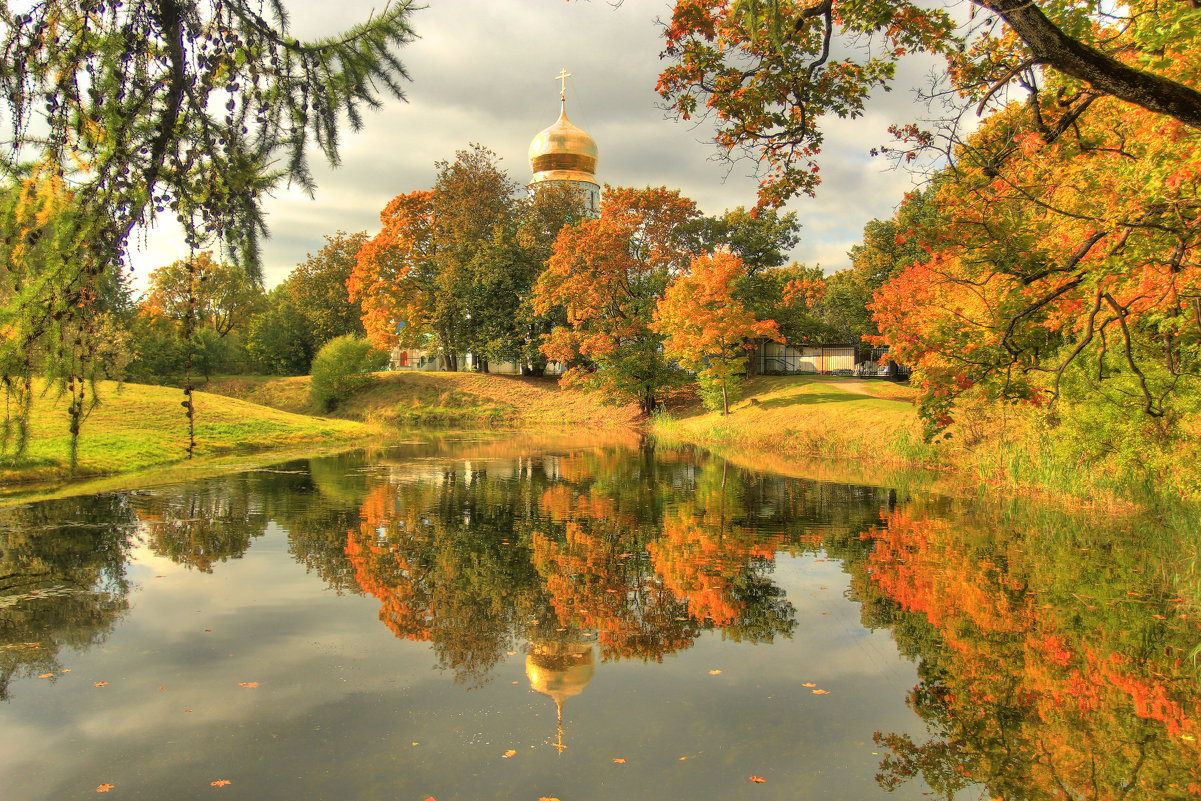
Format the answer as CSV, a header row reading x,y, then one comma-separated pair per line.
x,y
453,266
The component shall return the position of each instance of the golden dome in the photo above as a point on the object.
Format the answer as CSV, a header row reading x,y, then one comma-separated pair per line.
x,y
560,670
563,152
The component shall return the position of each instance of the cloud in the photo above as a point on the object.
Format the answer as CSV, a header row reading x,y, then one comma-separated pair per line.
x,y
483,71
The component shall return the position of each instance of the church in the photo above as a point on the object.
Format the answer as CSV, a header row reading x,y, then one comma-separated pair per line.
x,y
561,153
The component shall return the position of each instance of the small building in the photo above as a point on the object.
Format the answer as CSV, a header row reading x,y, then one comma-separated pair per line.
x,y
849,359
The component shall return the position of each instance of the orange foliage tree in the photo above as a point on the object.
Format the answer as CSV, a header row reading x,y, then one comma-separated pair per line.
x,y
706,327
1064,257
607,275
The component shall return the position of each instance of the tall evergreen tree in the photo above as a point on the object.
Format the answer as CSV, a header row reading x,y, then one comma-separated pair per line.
x,y
163,107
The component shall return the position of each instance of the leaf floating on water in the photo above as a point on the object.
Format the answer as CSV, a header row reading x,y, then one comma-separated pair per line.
x,y
220,783
104,788
619,761
808,684
508,754
66,670
249,684
543,798
45,675
99,683
714,672
758,779
821,692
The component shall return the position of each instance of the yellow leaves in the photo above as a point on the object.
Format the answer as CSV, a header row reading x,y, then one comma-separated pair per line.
x,y
99,683
104,788
808,684
220,783
820,692
509,753
45,675
714,672
248,684
547,798
758,779
619,761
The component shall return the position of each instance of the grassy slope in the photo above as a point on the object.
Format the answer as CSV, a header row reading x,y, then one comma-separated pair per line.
x,y
813,416
463,400
138,426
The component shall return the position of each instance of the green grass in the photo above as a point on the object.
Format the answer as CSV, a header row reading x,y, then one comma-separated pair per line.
x,y
138,426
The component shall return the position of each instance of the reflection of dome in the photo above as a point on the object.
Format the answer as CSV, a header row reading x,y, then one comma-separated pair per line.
x,y
561,670
563,152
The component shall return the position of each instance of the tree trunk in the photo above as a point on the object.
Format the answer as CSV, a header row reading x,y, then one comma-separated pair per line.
x,y
725,401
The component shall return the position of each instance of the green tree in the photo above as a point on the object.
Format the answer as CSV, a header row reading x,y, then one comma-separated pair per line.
x,y
278,340
342,367
317,287
188,109
762,238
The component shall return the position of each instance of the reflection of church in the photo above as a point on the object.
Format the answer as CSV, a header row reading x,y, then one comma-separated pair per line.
x,y
561,154
560,670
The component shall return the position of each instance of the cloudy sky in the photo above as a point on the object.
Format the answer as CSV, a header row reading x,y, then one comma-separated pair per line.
x,y
484,71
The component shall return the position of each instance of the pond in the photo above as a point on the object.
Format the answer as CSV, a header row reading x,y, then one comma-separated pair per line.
x,y
590,620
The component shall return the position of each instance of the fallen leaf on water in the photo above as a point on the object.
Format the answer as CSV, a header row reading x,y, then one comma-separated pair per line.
x,y
511,653
66,670
683,758
187,710
162,688
104,788
758,779
821,692
620,761
515,682
99,683
220,783
45,675
509,753
808,684
714,672
251,684
547,798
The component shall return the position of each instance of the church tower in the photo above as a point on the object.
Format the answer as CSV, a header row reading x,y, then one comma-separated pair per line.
x,y
564,153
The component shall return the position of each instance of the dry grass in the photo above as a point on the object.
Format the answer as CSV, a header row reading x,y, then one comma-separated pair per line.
x,y
809,416
458,400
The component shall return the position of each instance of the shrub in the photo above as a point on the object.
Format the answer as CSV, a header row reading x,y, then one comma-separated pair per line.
x,y
342,367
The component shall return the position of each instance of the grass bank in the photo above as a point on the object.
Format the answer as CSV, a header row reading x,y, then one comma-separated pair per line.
x,y
874,423
443,400
137,427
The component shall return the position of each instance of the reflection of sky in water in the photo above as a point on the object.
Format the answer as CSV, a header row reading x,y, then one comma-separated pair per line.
x,y
345,709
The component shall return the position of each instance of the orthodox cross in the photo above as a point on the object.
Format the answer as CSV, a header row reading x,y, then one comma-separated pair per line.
x,y
562,79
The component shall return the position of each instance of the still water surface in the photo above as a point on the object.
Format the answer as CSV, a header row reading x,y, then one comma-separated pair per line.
x,y
511,621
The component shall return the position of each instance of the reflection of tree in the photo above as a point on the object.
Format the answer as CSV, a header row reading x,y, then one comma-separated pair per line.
x,y
202,524
1045,671
62,579
641,551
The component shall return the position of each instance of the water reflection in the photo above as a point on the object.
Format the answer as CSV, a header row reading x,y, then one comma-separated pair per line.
x,y
1052,656
1051,652
62,580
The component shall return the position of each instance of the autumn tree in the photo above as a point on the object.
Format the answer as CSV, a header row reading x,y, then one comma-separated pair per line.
x,y
217,295
1067,266
607,275
769,71
185,110
762,238
707,329
317,288
447,264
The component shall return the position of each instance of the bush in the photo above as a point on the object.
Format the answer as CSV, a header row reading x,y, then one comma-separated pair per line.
x,y
342,367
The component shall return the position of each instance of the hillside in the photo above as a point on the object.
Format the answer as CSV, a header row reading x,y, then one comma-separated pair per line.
x,y
137,426
450,400
811,416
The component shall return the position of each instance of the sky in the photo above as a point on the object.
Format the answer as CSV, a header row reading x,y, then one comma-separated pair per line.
x,y
483,71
